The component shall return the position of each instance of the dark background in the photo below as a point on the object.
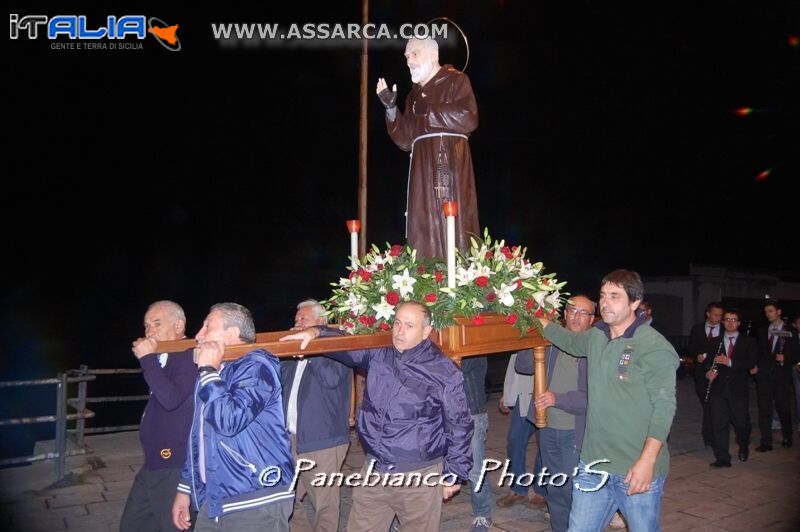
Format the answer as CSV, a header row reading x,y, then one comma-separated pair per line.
x,y
606,140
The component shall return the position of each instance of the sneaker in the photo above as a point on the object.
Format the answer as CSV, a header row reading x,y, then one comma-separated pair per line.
x,y
536,501
510,500
617,523
481,524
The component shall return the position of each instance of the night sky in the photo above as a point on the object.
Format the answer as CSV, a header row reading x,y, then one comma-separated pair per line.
x,y
606,140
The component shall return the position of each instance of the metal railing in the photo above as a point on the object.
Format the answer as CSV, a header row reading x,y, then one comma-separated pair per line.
x,y
81,376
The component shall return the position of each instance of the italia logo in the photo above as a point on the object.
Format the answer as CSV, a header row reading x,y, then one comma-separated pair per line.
x,y
78,28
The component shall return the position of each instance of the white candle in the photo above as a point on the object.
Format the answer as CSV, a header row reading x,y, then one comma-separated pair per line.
x,y
353,227
450,212
354,249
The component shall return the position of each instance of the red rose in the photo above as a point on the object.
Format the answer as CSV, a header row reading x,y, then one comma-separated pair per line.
x,y
430,298
511,318
482,281
363,320
519,283
489,255
539,313
490,297
439,276
529,304
420,269
349,324
371,320
380,266
392,298
365,275
507,252
396,250
477,320
352,314
351,275
384,326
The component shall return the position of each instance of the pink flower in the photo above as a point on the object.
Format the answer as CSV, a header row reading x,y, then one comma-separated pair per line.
x,y
477,320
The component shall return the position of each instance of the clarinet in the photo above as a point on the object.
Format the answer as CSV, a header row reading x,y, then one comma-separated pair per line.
x,y
714,367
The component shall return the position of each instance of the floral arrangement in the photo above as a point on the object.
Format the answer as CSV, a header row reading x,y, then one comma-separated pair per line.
x,y
491,277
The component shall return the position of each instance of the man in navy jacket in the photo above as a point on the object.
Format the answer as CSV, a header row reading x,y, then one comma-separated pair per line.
x,y
414,422
166,420
316,404
238,473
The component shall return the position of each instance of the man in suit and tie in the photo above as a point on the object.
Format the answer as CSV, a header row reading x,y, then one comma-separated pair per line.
x,y
776,357
729,372
701,335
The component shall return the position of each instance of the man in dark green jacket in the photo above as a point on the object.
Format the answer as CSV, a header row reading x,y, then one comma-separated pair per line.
x,y
631,368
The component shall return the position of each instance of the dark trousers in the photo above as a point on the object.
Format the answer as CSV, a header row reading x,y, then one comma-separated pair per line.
x,y
273,517
559,455
519,434
149,504
729,409
776,389
707,428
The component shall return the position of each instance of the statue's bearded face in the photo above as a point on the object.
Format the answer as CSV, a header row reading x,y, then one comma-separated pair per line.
x,y
421,61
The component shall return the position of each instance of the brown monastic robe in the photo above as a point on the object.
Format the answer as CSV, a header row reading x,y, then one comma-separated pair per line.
x,y
451,108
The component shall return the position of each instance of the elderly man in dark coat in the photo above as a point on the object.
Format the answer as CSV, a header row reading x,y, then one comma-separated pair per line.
x,y
440,114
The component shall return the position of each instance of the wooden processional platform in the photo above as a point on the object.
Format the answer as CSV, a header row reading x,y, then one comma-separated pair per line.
x,y
464,339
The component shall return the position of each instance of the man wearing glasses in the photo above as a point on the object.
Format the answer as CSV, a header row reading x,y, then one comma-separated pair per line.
x,y
560,442
729,374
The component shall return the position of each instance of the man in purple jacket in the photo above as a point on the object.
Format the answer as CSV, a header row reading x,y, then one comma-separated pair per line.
x,y
414,422
565,400
165,424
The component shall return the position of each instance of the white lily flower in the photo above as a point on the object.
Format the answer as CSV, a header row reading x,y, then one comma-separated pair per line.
x,y
355,303
553,299
526,271
539,297
465,276
404,283
383,310
504,293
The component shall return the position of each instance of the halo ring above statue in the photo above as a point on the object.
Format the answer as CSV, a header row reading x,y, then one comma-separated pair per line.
x,y
463,35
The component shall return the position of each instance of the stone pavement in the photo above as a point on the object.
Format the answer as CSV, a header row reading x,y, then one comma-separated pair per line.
x,y
761,494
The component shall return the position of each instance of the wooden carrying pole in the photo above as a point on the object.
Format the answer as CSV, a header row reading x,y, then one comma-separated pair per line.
x,y
539,383
461,340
